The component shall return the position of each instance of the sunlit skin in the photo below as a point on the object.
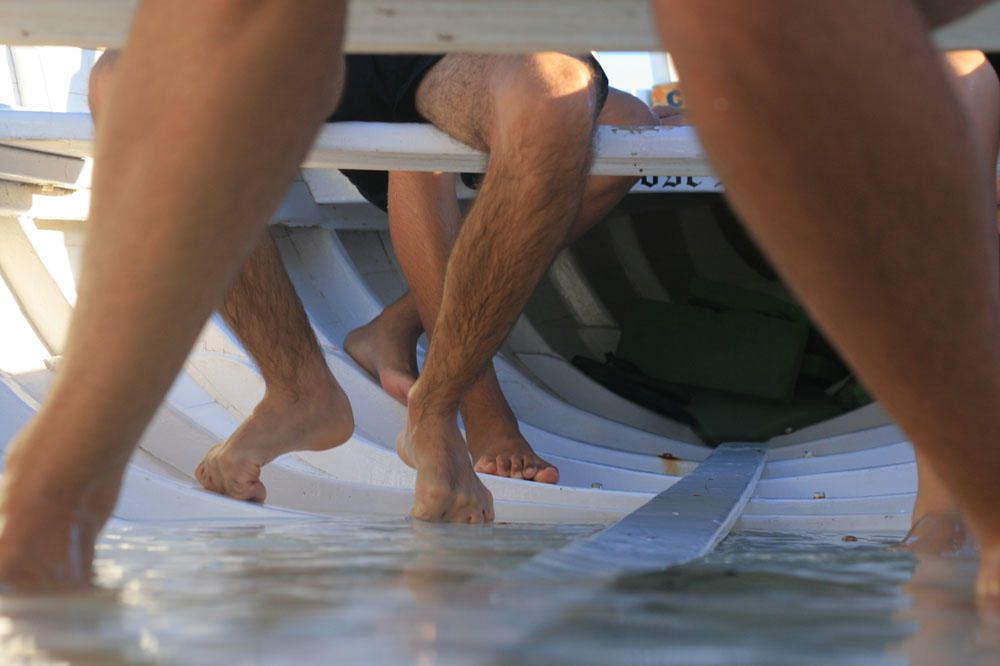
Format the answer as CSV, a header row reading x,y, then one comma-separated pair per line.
x,y
303,407
841,131
178,202
535,115
424,218
937,519
927,254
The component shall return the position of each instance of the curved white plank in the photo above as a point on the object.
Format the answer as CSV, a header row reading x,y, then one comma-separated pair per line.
x,y
858,420
891,454
375,267
839,443
892,525
338,300
900,503
860,482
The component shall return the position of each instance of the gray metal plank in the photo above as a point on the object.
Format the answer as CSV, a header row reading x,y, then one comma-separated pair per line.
x,y
681,524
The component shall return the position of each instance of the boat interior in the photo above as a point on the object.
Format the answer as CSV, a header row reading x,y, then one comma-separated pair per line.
x,y
657,337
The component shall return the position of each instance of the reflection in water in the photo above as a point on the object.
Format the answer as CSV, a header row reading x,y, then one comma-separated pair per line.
x,y
950,627
390,591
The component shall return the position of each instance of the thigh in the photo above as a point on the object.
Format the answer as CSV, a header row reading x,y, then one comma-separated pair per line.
x,y
465,94
456,95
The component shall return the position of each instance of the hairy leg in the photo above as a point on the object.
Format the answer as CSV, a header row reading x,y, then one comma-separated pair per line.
x,y
424,219
937,521
303,408
901,272
535,115
178,202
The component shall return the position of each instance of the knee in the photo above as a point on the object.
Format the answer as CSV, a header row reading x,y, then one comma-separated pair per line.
x,y
624,109
548,94
100,77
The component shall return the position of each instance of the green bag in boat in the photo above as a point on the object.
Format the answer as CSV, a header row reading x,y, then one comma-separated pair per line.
x,y
736,351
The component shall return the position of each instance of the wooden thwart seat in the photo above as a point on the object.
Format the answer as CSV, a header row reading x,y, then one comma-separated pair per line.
x,y
432,26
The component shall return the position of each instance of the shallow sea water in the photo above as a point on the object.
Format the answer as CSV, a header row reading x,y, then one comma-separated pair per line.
x,y
396,592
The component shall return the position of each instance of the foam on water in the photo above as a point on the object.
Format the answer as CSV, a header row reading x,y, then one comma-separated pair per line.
x,y
390,591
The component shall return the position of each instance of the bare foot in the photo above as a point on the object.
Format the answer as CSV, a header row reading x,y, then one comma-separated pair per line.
x,y
319,420
939,533
510,455
495,440
386,348
447,489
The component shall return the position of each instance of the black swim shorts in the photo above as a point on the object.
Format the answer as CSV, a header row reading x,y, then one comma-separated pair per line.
x,y
383,88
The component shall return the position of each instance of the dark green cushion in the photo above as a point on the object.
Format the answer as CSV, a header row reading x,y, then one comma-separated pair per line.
x,y
723,296
736,351
724,417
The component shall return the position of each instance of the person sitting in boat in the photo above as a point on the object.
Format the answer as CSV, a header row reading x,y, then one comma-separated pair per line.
x,y
303,407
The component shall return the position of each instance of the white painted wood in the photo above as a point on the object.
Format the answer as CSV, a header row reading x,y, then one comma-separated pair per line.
x,y
33,286
337,301
894,454
401,146
890,525
866,418
428,26
10,95
901,503
681,524
28,166
861,482
587,395
842,438
371,257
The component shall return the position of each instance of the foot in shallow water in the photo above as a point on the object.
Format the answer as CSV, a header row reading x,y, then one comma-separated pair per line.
x,y
509,454
447,488
386,348
281,423
939,533
53,504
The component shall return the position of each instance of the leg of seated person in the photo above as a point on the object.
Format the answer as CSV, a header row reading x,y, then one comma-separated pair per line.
x,y
424,219
937,521
535,116
303,409
386,347
494,439
179,199
818,153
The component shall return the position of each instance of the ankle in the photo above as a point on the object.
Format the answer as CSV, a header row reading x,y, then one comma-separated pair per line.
x,y
314,385
400,320
430,407
487,424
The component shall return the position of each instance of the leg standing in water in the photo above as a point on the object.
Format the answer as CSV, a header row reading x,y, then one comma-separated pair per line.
x,y
937,520
303,406
179,201
818,153
424,219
